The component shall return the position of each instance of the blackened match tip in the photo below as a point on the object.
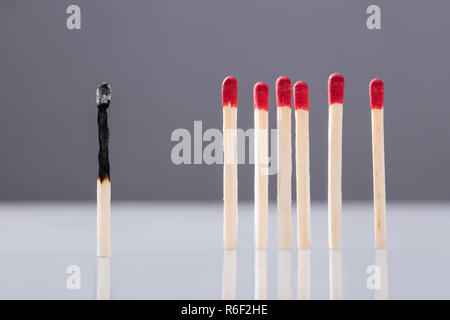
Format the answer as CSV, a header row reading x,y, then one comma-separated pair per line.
x,y
103,95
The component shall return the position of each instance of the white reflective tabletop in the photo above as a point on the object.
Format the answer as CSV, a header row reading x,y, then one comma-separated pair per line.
x,y
174,251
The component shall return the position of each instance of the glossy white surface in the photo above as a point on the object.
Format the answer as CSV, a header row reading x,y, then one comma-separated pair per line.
x,y
174,251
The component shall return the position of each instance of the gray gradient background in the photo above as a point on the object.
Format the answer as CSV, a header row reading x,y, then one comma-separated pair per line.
x,y
165,61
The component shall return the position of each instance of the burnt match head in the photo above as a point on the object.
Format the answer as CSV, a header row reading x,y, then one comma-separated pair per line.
x,y
261,96
376,89
336,89
284,92
103,95
301,96
229,92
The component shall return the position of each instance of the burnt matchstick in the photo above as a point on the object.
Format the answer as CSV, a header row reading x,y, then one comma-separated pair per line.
x,y
284,170
103,181
335,102
103,278
261,104
301,100
230,197
379,187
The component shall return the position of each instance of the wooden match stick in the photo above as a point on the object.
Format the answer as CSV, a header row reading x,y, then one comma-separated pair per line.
x,y
104,278
335,274
284,194
379,187
229,275
301,98
284,282
261,103
103,180
230,182
381,260
335,102
260,275
303,274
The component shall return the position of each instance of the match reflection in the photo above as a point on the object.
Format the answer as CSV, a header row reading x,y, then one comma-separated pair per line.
x,y
103,278
303,274
284,274
335,274
260,274
229,275
381,258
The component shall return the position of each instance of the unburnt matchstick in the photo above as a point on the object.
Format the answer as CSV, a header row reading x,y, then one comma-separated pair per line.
x,y
301,101
335,274
260,275
284,273
381,260
284,193
379,188
303,274
335,102
230,197
103,181
229,275
261,104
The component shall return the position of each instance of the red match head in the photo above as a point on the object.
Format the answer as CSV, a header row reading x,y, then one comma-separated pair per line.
x,y
301,96
376,94
229,92
261,96
284,92
336,89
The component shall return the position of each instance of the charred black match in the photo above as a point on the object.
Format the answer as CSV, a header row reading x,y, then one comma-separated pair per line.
x,y
103,99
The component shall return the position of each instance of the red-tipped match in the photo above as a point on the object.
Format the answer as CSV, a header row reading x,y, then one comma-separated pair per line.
x,y
376,94
336,89
261,96
229,92
284,92
301,96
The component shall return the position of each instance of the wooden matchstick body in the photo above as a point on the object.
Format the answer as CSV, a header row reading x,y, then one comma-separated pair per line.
x,y
284,217
104,278
304,274
379,187
260,274
284,281
103,218
230,182
229,275
261,178
381,259
303,181
335,274
335,176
